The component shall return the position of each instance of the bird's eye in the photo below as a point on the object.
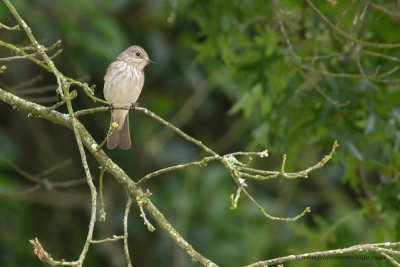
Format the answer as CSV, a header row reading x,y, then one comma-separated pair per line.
x,y
138,54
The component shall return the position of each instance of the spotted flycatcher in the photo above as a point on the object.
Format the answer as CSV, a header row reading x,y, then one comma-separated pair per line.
x,y
123,83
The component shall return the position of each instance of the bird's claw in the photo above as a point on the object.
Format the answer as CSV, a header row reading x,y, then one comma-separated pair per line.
x,y
133,107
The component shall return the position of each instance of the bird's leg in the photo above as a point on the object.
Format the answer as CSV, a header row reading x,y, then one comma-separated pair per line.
x,y
111,107
133,107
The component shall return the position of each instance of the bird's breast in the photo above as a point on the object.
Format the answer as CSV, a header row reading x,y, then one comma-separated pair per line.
x,y
123,84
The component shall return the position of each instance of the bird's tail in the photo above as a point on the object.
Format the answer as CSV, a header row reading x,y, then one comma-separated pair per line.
x,y
120,136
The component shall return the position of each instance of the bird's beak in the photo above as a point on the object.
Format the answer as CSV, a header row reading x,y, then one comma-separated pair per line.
x,y
149,61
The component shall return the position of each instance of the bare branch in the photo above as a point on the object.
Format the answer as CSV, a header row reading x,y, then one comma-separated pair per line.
x,y
111,239
14,28
321,254
200,163
126,249
22,191
18,57
37,90
140,201
68,183
29,82
54,168
102,212
44,256
394,14
20,171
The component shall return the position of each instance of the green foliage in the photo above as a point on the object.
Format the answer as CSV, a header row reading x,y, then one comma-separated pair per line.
x,y
279,97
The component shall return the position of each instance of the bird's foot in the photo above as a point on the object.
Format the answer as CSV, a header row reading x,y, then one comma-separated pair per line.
x,y
133,106
111,107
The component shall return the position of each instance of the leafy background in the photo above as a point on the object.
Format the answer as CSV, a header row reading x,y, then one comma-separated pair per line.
x,y
223,74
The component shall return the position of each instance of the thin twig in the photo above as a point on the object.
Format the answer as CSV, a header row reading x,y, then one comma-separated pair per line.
x,y
20,171
126,249
68,183
327,97
265,175
347,35
37,90
29,82
371,204
290,219
102,212
14,28
44,256
110,239
321,254
18,57
89,91
54,168
90,111
393,261
57,105
177,130
59,51
361,69
200,163
384,56
113,127
395,14
44,99
140,201
22,191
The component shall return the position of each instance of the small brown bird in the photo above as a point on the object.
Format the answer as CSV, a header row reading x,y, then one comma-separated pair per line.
x,y
123,83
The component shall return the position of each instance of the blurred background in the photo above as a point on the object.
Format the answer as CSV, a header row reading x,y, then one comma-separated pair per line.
x,y
224,75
